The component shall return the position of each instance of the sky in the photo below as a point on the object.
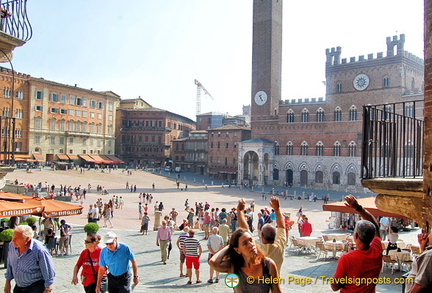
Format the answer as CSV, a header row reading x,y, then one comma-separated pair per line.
x,y
155,49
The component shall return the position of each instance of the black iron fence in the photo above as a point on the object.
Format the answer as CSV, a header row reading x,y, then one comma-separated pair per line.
x,y
393,140
14,20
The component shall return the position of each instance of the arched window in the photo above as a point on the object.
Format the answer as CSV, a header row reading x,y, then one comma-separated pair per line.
x,y
352,149
290,116
386,82
319,149
319,177
336,178
338,114
351,179
337,149
320,115
353,113
276,148
304,149
339,87
305,115
290,148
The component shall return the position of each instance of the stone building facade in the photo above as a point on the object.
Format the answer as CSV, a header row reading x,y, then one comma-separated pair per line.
x,y
14,104
317,141
68,120
54,119
144,133
223,145
191,153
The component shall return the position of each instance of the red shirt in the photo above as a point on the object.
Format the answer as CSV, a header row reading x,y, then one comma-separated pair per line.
x,y
306,229
360,264
87,271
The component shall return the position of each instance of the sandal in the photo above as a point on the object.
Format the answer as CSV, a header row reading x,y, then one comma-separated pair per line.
x,y
189,282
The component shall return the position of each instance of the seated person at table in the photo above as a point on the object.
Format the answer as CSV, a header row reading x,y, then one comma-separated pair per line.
x,y
392,238
365,262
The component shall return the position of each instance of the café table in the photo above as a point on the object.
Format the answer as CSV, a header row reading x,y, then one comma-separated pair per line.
x,y
400,257
334,246
338,236
308,241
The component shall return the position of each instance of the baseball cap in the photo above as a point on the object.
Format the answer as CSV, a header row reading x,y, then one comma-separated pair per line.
x,y
109,237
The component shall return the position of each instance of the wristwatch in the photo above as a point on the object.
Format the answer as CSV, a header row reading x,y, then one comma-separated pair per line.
x,y
135,277
48,289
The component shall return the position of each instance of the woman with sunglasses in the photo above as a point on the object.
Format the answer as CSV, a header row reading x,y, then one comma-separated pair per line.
x,y
89,261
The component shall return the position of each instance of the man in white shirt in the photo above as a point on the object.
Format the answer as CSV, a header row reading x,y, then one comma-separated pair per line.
x,y
214,243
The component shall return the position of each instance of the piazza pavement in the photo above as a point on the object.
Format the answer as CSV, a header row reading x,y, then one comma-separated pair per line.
x,y
300,272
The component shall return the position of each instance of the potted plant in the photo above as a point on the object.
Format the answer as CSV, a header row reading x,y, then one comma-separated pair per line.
x,y
91,228
31,220
6,237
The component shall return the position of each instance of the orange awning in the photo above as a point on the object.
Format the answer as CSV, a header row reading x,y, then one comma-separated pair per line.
x,y
73,157
114,159
54,208
100,160
87,158
39,157
14,196
20,157
12,208
62,157
368,203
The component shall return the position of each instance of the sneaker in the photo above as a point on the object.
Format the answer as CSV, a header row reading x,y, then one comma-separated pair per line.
x,y
210,281
189,282
198,281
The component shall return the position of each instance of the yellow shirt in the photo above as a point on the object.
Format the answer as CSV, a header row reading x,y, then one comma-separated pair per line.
x,y
276,250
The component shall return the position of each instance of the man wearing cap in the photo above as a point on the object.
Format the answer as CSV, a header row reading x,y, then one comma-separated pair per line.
x,y
115,258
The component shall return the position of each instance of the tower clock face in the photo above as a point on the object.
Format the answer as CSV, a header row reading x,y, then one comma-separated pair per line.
x,y
260,98
361,82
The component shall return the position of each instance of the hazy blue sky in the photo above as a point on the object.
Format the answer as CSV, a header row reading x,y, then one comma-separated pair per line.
x,y
155,49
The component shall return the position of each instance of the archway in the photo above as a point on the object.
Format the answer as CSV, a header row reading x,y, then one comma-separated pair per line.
x,y
250,167
303,178
289,177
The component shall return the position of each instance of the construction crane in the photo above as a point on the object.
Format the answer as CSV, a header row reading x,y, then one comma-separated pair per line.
x,y
200,88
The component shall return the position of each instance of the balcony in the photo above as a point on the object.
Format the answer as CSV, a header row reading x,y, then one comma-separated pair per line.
x,y
15,28
392,158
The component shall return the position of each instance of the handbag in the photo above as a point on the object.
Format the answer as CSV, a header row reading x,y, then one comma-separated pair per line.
x,y
104,281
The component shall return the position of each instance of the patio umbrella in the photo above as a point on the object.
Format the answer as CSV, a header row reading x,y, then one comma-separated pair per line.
x,y
53,208
13,208
9,196
368,203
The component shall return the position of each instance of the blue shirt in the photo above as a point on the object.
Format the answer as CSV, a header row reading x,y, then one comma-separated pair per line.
x,y
116,261
32,265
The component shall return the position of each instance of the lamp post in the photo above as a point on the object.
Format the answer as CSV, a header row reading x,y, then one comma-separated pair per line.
x,y
9,145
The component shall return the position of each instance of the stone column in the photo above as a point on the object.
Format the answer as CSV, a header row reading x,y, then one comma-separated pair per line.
x,y
157,220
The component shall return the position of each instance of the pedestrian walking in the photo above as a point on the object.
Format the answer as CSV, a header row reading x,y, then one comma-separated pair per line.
x,y
163,238
115,258
193,250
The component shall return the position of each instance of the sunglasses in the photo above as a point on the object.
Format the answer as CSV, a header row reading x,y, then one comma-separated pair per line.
x,y
109,243
87,242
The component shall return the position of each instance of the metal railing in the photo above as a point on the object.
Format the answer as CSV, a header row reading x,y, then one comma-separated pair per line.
x,y
393,140
17,23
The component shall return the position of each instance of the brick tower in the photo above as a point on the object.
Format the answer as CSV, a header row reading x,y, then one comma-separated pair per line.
x,y
266,63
